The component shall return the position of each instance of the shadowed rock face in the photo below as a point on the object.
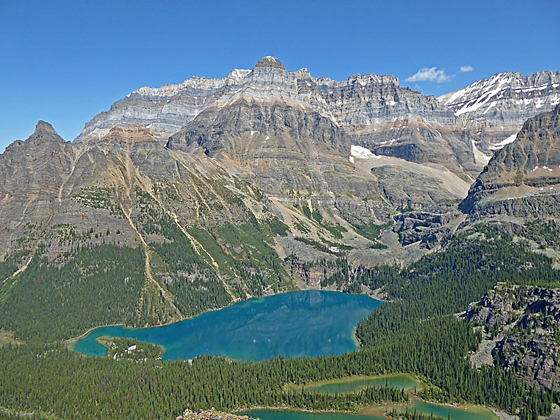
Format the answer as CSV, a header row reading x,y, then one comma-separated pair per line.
x,y
37,165
31,175
283,148
523,178
270,62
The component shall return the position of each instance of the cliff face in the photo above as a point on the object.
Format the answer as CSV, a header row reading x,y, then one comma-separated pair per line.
x,y
460,130
523,178
36,178
163,110
282,143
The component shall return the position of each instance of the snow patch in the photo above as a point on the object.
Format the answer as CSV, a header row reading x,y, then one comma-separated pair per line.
x,y
504,142
483,99
492,105
362,153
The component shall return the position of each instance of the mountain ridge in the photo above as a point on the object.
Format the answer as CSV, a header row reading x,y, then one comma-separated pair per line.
x,y
523,178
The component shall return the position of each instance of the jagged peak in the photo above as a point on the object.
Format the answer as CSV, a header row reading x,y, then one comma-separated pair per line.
x,y
237,75
45,127
269,62
364,79
303,74
45,131
499,81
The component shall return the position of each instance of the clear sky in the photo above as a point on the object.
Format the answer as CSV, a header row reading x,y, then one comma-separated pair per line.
x,y
66,61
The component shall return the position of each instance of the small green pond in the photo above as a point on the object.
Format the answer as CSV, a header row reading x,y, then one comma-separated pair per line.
x,y
406,382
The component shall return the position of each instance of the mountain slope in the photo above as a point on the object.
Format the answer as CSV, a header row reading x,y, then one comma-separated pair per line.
x,y
494,109
196,238
523,178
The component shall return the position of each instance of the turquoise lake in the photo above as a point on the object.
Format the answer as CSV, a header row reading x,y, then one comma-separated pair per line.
x,y
297,415
303,323
420,407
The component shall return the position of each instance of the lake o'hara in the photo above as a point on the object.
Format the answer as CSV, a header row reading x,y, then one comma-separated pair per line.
x,y
295,324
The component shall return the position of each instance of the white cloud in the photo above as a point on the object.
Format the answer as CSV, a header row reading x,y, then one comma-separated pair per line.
x,y
466,69
429,75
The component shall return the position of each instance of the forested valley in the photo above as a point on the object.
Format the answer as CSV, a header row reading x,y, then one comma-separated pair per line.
x,y
417,332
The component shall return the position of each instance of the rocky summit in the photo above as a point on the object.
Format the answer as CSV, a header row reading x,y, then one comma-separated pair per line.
x,y
521,326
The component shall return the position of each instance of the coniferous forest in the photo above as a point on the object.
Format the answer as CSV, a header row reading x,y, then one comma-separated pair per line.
x,y
417,332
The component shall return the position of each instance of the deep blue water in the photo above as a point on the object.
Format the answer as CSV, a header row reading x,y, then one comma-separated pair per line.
x,y
304,323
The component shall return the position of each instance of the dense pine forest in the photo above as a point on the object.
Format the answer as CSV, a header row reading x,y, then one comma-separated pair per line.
x,y
417,332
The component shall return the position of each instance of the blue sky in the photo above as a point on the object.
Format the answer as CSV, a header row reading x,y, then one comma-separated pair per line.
x,y
66,61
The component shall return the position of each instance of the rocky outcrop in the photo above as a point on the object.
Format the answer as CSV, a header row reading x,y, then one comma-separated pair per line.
x,y
534,358
525,321
311,274
523,178
211,414
424,227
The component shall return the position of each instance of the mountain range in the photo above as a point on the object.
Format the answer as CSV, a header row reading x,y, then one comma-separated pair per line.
x,y
186,198
260,178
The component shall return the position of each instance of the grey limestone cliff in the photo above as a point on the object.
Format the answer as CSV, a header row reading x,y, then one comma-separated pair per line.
x,y
373,111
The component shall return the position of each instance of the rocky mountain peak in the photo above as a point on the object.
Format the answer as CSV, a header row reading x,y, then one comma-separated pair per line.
x,y
44,126
494,109
237,75
375,79
270,62
43,130
303,73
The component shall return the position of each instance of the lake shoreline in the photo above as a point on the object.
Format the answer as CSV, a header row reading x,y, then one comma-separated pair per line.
x,y
292,324
71,342
380,410
349,379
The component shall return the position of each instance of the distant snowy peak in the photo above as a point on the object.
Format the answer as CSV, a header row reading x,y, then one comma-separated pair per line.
x,y
506,92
